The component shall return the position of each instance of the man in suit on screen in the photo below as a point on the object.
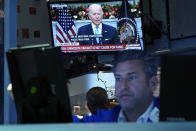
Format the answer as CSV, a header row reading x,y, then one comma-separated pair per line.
x,y
107,33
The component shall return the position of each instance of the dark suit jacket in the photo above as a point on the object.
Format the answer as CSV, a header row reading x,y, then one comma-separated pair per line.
x,y
109,34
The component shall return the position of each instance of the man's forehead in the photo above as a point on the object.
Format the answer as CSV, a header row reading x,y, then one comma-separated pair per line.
x,y
128,65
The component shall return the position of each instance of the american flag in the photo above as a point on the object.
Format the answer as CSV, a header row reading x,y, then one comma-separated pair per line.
x,y
65,26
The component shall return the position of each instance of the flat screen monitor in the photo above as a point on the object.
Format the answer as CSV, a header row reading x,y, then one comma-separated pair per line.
x,y
39,85
178,88
71,27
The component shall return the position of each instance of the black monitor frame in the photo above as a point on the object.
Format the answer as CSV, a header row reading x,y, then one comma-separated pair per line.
x,y
178,87
39,85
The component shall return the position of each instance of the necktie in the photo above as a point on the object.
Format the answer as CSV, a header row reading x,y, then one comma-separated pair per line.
x,y
96,33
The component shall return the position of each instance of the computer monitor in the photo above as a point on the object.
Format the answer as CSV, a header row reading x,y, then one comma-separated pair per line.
x,y
39,85
178,88
120,16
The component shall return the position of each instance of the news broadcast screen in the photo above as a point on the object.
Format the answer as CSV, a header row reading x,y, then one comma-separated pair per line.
x,y
79,26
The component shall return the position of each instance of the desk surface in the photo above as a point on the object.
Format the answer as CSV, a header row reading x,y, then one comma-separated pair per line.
x,y
180,126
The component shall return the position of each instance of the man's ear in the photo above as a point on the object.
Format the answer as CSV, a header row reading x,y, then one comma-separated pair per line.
x,y
154,83
89,16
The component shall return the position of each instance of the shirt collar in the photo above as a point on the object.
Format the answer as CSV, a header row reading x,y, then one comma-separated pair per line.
x,y
94,27
121,117
150,115
144,117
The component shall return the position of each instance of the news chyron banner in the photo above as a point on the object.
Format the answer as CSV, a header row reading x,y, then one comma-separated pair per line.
x,y
108,47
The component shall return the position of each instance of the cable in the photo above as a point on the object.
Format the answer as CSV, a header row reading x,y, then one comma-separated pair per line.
x,y
155,24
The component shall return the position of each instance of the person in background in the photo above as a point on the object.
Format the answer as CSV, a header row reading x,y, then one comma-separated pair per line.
x,y
109,33
98,104
136,80
97,98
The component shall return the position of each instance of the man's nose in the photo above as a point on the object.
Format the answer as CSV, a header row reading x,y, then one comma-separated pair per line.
x,y
125,83
96,16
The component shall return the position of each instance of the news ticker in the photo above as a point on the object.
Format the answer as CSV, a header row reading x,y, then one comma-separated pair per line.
x,y
110,47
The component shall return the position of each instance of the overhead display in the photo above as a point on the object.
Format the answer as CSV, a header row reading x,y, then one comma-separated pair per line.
x,y
79,26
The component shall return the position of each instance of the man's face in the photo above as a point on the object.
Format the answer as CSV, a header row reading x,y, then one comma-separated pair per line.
x,y
96,15
132,86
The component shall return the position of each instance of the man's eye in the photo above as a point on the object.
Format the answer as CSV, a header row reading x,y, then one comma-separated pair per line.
x,y
118,79
132,77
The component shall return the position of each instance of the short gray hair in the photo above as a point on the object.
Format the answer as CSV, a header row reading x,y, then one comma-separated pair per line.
x,y
93,5
149,61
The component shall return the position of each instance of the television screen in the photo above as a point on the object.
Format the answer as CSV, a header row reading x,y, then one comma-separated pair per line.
x,y
73,26
39,85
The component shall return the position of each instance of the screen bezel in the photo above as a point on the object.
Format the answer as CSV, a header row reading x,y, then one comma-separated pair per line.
x,y
41,57
98,52
176,89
